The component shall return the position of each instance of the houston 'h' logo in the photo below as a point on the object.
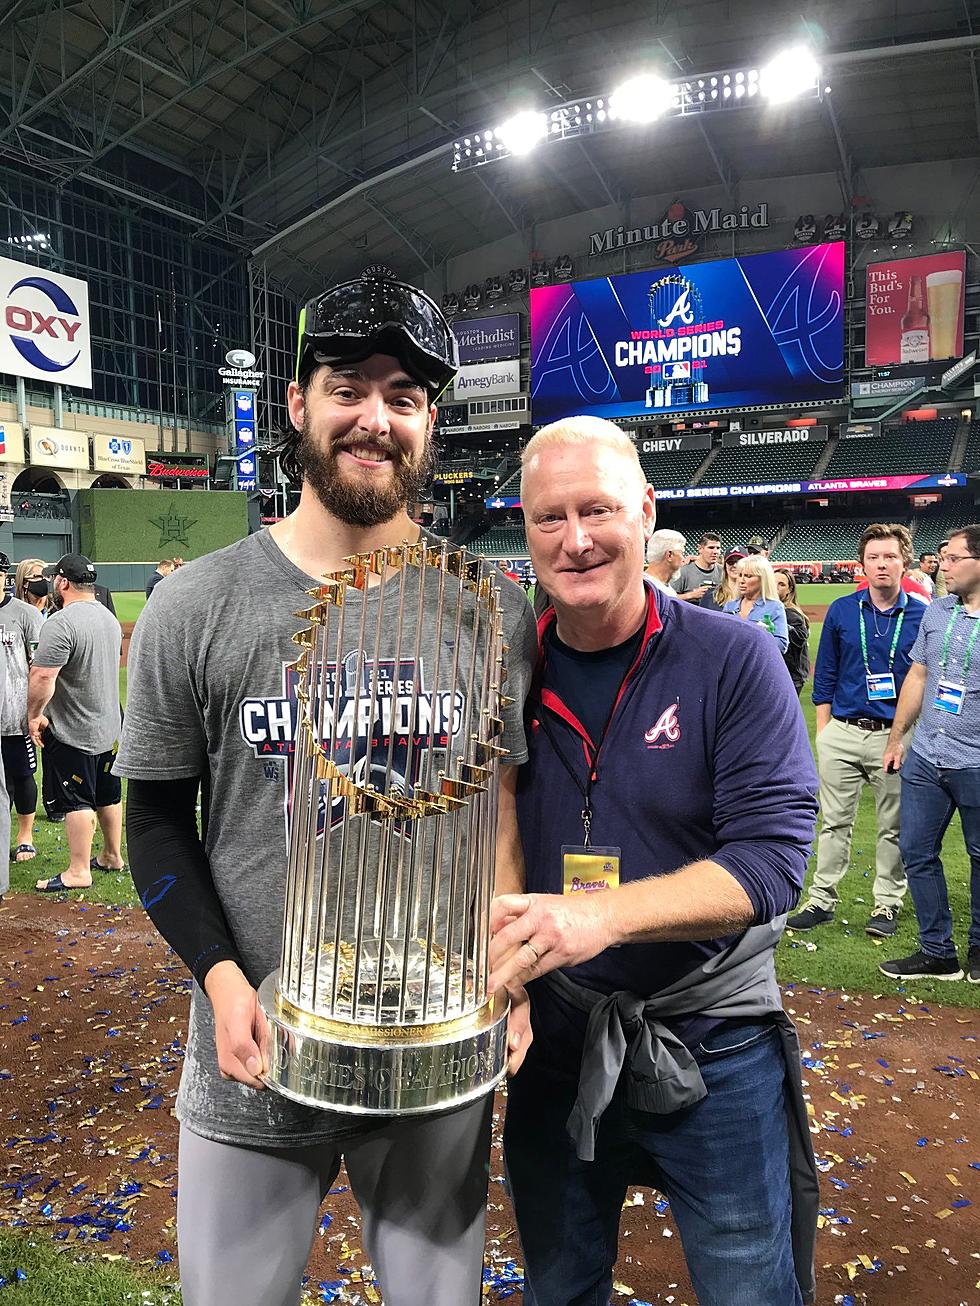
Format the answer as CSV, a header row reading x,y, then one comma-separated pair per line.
x,y
666,727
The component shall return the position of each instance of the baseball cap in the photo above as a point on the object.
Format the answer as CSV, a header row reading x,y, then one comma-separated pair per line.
x,y
378,315
4,563
75,567
757,544
734,555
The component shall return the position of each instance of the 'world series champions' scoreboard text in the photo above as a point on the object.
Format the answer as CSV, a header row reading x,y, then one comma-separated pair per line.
x,y
733,333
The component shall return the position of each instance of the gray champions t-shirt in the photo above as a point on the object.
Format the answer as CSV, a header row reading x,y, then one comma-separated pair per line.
x,y
210,694
20,630
84,639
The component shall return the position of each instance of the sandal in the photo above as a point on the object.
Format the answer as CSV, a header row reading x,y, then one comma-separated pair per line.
x,y
23,848
96,865
54,885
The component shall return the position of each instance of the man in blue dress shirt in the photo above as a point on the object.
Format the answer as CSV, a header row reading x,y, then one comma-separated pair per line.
x,y
942,771
861,665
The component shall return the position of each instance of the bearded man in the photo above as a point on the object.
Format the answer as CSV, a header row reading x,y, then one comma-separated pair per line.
x,y
212,705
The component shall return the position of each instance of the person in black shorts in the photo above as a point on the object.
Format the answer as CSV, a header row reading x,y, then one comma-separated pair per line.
x,y
73,713
20,629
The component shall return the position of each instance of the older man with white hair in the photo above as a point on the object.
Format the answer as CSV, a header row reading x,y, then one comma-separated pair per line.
x,y
665,555
662,1055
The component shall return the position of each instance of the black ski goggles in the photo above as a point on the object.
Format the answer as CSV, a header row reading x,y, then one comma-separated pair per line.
x,y
353,320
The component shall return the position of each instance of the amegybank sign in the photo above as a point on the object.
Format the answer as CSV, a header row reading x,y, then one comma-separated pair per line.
x,y
483,380
44,325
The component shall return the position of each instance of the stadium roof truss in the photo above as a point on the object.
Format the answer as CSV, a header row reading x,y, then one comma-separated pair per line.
x,y
316,135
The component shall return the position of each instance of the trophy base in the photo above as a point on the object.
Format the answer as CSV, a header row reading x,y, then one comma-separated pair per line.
x,y
383,1070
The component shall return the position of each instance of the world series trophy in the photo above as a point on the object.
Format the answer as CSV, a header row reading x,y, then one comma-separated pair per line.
x,y
380,1004
673,298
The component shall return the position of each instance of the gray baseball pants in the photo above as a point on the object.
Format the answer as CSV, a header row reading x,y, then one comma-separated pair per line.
x,y
247,1217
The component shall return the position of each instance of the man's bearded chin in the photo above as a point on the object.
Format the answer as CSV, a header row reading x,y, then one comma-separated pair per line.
x,y
356,502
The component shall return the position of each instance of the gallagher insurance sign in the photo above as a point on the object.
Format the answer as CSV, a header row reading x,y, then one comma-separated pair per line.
x,y
44,325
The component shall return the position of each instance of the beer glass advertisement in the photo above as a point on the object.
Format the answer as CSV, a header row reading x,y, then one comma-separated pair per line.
x,y
915,309
763,329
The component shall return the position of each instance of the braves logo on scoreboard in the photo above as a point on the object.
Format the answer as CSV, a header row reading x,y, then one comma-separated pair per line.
x,y
44,325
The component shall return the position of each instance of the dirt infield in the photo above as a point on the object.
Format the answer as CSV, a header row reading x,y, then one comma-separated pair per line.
x,y
92,1026
816,612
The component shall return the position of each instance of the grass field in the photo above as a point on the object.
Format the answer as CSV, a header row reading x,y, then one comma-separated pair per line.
x,y
42,1274
130,605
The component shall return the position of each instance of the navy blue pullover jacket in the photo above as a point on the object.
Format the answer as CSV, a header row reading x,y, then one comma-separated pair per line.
x,y
706,757
839,677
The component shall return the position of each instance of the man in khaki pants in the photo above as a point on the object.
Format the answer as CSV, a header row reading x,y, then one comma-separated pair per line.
x,y
861,663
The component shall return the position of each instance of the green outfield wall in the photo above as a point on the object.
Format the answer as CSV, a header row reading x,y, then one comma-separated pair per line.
x,y
146,525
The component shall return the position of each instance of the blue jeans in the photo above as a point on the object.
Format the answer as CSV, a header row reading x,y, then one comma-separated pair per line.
x,y
723,1164
930,795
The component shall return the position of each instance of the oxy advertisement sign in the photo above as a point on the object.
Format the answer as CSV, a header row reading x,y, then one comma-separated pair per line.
x,y
763,329
11,442
52,447
915,309
44,325
123,454
481,380
488,339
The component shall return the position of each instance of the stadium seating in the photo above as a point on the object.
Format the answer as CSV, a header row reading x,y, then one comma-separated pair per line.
x,y
914,447
764,465
512,485
935,526
677,517
674,470
828,540
971,455
501,542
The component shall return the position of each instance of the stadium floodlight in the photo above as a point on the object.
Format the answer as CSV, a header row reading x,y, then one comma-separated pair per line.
x,y
643,98
520,134
791,73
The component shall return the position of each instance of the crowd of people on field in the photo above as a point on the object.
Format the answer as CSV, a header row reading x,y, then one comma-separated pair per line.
x,y
894,655
62,645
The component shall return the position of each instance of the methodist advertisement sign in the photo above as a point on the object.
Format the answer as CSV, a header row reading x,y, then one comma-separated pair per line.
x,y
116,453
52,447
488,339
44,325
915,309
763,329
942,481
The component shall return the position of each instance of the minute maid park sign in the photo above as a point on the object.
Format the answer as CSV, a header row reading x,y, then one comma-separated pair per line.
x,y
678,230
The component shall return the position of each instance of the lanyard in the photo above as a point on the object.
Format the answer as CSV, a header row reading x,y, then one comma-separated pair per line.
x,y
864,639
969,644
593,774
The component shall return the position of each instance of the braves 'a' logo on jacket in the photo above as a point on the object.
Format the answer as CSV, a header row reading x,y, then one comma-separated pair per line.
x,y
667,727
